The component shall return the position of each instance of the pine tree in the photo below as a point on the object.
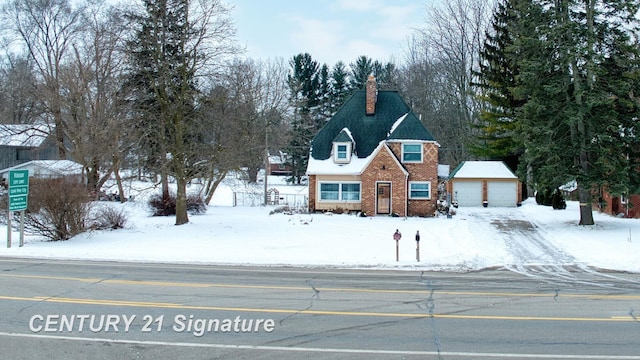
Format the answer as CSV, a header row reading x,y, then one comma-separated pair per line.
x,y
304,83
496,79
577,66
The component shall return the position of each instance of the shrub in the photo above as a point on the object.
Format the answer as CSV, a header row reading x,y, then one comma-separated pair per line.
x,y
108,217
58,209
162,207
557,201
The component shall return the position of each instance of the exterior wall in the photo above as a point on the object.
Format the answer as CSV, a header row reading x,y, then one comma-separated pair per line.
x,y
427,170
384,168
314,190
614,206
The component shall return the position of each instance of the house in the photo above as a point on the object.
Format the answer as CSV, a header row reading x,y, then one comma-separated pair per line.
x,y
484,183
375,156
20,143
278,164
48,169
623,206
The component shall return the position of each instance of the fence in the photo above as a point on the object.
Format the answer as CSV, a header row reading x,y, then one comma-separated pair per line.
x,y
274,198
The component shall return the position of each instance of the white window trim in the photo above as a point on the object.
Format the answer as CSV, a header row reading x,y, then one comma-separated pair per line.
x,y
420,182
335,153
340,183
413,161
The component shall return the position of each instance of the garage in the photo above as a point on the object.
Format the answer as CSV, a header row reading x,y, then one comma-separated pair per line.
x,y
502,193
467,193
488,183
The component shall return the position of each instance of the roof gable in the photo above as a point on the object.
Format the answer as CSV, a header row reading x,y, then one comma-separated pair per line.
x,y
368,130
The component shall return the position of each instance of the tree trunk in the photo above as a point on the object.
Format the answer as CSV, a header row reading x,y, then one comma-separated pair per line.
x,y
586,212
212,186
181,202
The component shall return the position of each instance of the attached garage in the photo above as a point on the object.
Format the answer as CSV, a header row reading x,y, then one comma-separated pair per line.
x,y
473,183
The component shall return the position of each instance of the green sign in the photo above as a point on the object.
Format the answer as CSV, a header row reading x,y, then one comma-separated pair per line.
x,y
18,203
18,189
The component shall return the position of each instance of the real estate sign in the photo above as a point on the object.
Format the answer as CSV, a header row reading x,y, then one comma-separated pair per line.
x,y
18,189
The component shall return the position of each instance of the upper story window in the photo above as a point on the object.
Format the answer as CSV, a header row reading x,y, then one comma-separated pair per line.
x,y
342,152
412,153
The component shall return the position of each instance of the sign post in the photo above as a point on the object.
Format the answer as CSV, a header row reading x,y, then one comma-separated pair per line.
x,y
418,245
396,236
18,195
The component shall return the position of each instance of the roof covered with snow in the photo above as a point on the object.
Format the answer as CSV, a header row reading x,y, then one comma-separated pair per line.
x,y
47,168
482,170
23,135
393,119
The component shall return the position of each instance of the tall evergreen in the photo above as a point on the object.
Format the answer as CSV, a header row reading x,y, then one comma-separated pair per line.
x,y
304,84
496,79
578,68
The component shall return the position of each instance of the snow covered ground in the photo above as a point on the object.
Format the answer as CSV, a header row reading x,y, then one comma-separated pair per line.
x,y
475,238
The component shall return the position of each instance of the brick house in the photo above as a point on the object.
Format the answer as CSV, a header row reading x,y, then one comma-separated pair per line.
x,y
622,206
374,155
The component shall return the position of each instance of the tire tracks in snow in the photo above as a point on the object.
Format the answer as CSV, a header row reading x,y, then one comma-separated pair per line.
x,y
537,257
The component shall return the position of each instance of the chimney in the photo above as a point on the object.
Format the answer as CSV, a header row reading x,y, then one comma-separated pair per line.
x,y
372,95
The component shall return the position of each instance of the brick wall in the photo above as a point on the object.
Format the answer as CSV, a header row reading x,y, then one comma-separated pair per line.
x,y
312,193
384,168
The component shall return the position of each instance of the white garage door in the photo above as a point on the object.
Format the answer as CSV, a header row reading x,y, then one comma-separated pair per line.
x,y
467,193
502,193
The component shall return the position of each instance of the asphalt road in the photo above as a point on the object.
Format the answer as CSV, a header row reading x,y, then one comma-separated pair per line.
x,y
96,310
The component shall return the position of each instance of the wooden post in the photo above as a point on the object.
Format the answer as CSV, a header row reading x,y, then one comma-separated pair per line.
x,y
22,228
397,250
8,229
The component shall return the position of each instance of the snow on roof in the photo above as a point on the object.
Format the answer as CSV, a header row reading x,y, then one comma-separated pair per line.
x,y
48,167
23,135
483,169
443,170
396,124
355,167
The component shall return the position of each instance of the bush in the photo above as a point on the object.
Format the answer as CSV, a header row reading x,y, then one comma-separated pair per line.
x,y
557,201
58,209
161,207
108,217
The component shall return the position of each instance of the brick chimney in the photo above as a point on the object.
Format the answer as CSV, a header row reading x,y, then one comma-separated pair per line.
x,y
372,95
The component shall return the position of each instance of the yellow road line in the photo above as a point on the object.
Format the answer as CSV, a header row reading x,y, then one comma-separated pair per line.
x,y
84,301
307,288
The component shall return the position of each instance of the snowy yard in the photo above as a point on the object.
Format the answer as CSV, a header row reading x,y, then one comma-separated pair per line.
x,y
471,240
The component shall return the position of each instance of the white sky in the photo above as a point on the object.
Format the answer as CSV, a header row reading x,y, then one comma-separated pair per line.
x,y
329,30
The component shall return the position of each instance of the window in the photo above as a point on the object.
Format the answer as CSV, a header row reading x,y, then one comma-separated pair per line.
x,y
341,152
420,190
411,152
340,191
351,192
329,191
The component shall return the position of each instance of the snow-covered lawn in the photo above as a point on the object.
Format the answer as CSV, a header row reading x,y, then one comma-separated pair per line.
x,y
253,236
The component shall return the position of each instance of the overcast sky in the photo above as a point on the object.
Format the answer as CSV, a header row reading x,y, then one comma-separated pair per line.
x,y
329,30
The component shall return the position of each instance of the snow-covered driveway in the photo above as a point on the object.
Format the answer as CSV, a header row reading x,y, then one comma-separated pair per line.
x,y
533,254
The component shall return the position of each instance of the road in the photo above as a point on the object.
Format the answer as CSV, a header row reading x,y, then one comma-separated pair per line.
x,y
79,310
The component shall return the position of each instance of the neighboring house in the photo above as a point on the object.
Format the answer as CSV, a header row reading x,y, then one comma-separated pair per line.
x,y
476,183
20,143
374,156
623,206
278,165
48,169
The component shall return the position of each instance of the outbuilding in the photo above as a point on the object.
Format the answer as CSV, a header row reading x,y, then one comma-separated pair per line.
x,y
484,183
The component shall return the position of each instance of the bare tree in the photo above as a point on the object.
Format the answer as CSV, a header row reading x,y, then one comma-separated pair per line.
x,y
440,59
18,99
47,29
94,106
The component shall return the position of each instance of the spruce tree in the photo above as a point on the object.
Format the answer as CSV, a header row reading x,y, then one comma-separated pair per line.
x,y
577,65
496,80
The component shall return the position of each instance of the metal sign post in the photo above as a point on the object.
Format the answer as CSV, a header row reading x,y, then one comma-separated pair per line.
x,y
418,245
18,196
397,236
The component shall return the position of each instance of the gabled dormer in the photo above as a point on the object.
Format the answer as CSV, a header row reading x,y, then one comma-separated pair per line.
x,y
343,145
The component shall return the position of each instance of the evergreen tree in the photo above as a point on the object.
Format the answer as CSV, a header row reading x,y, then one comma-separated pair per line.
x,y
304,84
496,79
360,71
339,86
578,68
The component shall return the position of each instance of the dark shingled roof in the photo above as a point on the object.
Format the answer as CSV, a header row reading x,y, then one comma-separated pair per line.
x,y
342,137
368,131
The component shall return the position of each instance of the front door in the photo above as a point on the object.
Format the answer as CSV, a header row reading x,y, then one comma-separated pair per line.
x,y
383,198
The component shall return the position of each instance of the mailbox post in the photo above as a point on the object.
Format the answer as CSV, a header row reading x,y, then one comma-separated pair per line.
x,y
396,236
